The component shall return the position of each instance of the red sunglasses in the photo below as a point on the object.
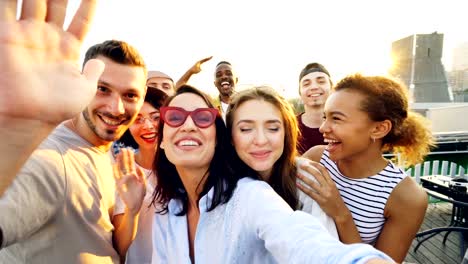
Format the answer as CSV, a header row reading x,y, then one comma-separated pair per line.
x,y
175,116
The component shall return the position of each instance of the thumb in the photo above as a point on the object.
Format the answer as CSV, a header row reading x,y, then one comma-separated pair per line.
x,y
93,69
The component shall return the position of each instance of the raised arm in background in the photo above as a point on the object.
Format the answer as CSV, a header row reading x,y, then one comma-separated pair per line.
x,y
196,68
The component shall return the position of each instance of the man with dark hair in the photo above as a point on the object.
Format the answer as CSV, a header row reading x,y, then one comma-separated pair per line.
x,y
314,88
225,80
58,209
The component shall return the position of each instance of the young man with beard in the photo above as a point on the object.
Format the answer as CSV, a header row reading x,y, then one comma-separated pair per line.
x,y
155,80
58,209
314,88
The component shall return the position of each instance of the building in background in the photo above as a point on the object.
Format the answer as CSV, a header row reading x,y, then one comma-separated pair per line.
x,y
458,76
417,61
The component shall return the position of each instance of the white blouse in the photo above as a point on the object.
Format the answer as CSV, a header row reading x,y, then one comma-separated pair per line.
x,y
255,226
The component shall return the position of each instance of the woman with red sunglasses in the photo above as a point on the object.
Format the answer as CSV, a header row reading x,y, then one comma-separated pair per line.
x,y
211,215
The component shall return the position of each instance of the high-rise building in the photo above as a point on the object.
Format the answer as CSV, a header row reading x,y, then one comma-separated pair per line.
x,y
458,76
460,57
417,61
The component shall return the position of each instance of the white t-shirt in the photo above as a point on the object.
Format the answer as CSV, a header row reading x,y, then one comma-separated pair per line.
x,y
224,107
141,248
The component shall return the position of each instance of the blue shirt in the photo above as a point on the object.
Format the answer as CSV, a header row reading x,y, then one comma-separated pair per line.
x,y
255,226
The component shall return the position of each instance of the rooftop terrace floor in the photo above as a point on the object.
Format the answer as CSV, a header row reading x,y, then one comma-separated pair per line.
x,y
432,250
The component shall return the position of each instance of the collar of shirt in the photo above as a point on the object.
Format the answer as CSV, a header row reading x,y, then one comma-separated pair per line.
x,y
175,205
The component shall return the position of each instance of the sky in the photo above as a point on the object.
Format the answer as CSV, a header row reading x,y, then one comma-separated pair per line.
x,y
270,41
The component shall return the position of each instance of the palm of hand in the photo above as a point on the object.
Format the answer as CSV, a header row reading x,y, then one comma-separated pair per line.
x,y
130,180
39,74
132,191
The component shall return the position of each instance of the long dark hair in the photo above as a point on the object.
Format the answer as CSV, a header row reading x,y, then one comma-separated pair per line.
x,y
220,175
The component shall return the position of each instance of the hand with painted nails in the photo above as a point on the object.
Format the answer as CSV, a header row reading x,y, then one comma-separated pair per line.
x,y
130,181
40,77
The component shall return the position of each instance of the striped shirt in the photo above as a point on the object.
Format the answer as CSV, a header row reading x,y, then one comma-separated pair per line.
x,y
366,198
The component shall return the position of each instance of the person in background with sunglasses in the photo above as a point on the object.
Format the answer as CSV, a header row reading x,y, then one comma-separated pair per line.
x,y
209,214
142,136
157,81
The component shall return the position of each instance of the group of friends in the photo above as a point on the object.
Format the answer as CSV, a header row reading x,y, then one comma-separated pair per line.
x,y
147,170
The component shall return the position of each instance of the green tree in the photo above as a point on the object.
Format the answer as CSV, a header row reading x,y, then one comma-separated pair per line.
x,y
297,105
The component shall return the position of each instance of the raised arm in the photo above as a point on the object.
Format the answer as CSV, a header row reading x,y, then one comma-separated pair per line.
x,y
41,84
196,68
130,181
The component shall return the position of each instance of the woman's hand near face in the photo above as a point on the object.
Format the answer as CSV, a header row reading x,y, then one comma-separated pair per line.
x,y
326,194
323,190
130,181
131,185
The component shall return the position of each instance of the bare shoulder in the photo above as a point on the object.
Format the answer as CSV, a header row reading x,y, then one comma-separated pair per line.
x,y
314,153
408,196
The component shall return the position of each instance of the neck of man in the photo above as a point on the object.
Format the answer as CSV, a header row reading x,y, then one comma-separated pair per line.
x,y
313,116
79,126
225,98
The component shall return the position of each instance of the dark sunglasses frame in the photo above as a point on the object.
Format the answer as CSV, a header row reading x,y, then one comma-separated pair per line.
x,y
164,109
